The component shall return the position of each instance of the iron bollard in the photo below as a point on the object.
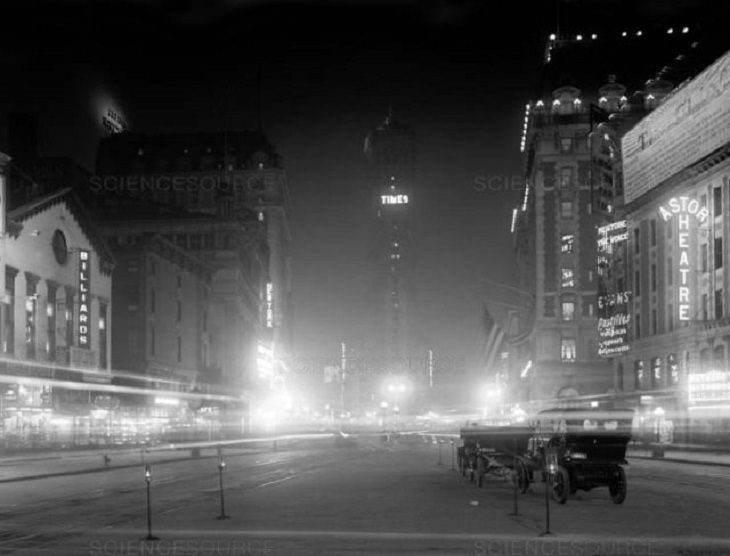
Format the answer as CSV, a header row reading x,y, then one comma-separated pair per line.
x,y
221,467
439,443
148,480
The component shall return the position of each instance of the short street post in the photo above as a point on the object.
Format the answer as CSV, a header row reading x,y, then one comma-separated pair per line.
x,y
453,466
547,502
221,467
148,480
440,441
515,476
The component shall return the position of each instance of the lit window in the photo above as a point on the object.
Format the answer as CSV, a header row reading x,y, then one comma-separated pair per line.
x,y
638,374
566,243
672,369
567,349
568,310
656,372
567,278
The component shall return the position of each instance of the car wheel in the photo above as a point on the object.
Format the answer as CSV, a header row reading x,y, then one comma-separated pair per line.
x,y
617,486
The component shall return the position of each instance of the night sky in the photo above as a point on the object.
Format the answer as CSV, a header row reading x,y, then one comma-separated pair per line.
x,y
458,72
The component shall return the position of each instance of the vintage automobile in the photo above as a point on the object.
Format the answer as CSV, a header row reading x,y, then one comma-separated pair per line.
x,y
582,449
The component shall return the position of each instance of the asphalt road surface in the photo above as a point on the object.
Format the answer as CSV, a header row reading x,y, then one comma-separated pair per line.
x,y
365,497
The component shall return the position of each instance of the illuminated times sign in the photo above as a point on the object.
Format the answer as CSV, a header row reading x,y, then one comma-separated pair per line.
x,y
683,207
394,199
84,299
269,305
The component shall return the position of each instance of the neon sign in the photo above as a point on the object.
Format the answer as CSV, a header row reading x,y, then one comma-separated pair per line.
x,y
394,199
712,386
683,207
84,299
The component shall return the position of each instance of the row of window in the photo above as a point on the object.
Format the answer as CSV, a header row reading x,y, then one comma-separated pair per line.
x,y
662,373
32,318
568,306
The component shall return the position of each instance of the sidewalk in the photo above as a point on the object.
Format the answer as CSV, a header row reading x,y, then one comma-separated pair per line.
x,y
681,453
29,466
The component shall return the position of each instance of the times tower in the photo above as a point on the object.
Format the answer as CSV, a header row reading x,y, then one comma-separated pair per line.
x,y
390,152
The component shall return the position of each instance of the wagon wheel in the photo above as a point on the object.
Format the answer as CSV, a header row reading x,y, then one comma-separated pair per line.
x,y
523,478
560,485
617,486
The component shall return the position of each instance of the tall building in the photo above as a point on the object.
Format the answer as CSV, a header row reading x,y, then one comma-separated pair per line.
x,y
235,185
390,152
220,265
588,97
225,174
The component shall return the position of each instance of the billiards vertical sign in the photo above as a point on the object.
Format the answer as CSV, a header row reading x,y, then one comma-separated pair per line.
x,y
84,298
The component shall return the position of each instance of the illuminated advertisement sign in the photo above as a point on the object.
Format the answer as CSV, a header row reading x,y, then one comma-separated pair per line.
x,y
712,386
394,199
691,123
610,234
613,323
683,207
84,299
613,306
269,305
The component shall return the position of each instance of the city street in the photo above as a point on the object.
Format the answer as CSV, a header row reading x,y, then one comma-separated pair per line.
x,y
368,498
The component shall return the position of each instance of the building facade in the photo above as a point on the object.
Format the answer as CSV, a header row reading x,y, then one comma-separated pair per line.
x,y
56,323
229,313
676,201
229,175
571,142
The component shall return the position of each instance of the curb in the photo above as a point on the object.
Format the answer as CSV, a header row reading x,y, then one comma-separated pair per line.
x,y
683,461
98,469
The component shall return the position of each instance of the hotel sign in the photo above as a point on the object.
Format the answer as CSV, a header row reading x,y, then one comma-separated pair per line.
x,y
683,207
84,299
269,305
112,121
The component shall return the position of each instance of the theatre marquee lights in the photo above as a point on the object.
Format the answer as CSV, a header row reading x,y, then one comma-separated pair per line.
x,y
683,207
